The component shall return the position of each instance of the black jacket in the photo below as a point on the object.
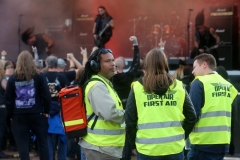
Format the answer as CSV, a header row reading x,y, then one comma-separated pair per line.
x,y
100,25
131,115
37,90
122,81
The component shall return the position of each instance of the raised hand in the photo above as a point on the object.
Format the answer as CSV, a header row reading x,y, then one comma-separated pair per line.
x,y
70,56
3,55
161,44
134,40
83,51
34,49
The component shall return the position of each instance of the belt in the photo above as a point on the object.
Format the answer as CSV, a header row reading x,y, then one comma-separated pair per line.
x,y
2,106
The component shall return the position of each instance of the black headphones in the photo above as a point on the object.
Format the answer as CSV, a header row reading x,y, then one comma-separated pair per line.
x,y
95,64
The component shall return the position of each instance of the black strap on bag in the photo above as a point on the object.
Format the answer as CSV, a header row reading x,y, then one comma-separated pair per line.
x,y
93,114
95,120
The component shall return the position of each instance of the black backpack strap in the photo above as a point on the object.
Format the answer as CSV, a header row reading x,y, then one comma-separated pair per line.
x,y
95,120
92,115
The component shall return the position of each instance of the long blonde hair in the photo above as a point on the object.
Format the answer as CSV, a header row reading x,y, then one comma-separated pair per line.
x,y
178,74
157,69
26,68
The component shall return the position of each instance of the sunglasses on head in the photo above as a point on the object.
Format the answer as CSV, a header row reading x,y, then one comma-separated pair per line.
x,y
101,51
105,50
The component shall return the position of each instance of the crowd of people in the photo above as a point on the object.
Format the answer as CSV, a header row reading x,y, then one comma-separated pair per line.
x,y
145,109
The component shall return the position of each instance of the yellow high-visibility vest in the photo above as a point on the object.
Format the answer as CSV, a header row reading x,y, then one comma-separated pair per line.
x,y
160,130
105,133
214,125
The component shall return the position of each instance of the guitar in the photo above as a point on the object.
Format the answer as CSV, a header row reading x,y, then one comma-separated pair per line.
x,y
102,31
207,50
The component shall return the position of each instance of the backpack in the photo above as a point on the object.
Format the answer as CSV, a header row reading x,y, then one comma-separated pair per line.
x,y
73,111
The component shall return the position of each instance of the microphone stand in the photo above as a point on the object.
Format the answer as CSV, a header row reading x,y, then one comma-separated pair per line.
x,y
19,32
188,31
134,27
135,23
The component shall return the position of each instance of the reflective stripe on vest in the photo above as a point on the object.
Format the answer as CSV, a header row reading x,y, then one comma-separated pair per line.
x,y
159,125
104,133
212,129
216,114
160,130
160,140
214,125
73,122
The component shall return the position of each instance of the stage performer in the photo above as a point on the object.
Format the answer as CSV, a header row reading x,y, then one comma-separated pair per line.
x,y
42,42
103,26
206,39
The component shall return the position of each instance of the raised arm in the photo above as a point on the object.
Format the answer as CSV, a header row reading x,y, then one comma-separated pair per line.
x,y
74,62
84,54
136,56
34,49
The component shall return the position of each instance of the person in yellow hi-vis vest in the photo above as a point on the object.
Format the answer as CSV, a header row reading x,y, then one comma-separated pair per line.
x,y
212,97
106,129
159,113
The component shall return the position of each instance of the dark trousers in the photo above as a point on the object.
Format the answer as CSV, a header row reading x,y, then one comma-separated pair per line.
x,y
12,142
3,124
127,150
21,126
73,148
62,147
100,43
194,154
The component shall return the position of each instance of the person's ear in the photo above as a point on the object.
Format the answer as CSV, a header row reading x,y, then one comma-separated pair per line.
x,y
204,65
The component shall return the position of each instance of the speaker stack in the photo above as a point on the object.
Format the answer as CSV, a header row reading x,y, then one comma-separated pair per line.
x,y
83,31
225,22
62,38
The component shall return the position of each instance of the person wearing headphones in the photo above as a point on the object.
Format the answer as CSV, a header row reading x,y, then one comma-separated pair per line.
x,y
106,132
